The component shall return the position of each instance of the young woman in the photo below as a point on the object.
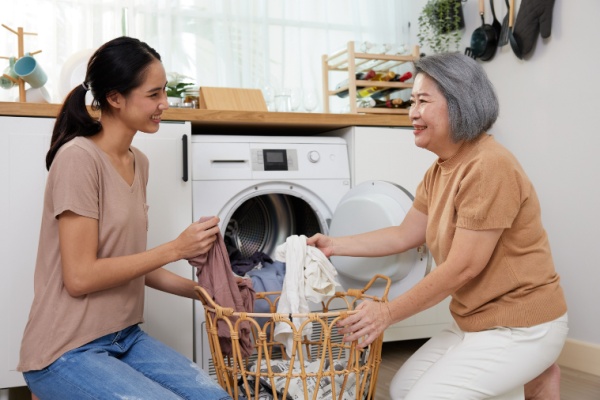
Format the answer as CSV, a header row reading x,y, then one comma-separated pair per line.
x,y
480,216
82,340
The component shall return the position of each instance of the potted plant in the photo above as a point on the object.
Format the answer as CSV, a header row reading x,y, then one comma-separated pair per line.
x,y
440,25
176,86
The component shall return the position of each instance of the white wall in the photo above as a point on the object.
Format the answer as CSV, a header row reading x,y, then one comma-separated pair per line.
x,y
549,118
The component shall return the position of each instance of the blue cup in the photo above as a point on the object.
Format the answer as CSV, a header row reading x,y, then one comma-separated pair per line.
x,y
28,69
6,83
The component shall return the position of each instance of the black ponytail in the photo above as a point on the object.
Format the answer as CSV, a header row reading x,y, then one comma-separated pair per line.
x,y
118,66
72,121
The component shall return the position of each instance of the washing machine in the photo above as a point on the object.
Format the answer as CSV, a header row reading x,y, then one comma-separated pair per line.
x,y
266,188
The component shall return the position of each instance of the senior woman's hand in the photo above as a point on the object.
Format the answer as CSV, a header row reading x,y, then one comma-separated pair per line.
x,y
321,242
368,323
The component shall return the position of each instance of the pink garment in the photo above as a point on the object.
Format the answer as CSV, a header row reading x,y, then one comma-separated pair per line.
x,y
216,277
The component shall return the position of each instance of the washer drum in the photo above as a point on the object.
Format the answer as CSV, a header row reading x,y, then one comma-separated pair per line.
x,y
262,223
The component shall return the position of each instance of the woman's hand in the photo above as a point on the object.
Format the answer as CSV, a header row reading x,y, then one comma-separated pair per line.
x,y
198,238
368,323
321,242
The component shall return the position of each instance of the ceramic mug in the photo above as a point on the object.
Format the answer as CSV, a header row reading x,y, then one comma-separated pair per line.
x,y
37,95
6,83
28,69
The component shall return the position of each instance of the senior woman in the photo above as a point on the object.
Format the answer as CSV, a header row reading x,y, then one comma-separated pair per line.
x,y
480,216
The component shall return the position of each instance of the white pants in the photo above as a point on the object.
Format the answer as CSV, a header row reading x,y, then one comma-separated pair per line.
x,y
492,364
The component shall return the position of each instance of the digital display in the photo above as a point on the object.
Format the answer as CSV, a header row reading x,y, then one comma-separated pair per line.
x,y
273,157
275,160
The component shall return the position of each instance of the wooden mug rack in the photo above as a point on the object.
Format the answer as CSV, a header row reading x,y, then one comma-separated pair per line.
x,y
20,53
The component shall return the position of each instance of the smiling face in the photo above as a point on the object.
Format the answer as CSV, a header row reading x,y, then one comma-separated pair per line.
x,y
143,106
429,116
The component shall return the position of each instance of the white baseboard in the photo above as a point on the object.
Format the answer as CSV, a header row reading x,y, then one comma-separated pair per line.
x,y
582,356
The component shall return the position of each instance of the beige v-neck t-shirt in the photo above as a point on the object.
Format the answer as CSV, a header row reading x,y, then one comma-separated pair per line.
x,y
83,180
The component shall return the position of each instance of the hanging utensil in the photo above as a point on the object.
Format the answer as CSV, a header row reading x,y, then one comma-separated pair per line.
x,y
516,48
484,40
503,40
495,23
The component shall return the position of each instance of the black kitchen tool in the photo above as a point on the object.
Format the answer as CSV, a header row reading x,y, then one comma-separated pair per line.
x,y
484,40
495,23
503,39
514,43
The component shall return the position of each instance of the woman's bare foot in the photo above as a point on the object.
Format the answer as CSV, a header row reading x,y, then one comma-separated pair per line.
x,y
546,386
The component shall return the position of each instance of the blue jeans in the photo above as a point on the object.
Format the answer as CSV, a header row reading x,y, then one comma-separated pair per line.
x,y
128,364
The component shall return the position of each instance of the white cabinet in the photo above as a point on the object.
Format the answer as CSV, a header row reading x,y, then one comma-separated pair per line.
x,y
389,154
169,318
23,146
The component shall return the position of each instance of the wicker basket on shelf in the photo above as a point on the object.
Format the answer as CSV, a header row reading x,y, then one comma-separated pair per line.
x,y
318,367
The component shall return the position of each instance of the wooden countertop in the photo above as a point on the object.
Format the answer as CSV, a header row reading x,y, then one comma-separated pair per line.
x,y
239,122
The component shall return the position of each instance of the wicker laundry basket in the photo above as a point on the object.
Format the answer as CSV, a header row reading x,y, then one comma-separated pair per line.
x,y
321,366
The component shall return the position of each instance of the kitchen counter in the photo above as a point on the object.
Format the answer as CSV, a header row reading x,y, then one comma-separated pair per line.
x,y
239,122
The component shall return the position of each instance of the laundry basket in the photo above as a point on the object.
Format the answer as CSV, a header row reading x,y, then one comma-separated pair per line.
x,y
321,366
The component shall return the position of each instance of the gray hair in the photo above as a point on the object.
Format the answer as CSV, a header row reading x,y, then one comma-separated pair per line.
x,y
472,103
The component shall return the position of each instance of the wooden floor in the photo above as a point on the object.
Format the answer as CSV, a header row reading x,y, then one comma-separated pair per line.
x,y
575,385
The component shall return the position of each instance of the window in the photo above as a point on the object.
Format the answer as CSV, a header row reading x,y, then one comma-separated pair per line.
x,y
228,43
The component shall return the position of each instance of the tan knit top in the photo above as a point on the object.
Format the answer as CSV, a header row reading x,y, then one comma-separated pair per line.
x,y
482,187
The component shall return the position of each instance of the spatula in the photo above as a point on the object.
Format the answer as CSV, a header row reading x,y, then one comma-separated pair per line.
x,y
503,40
514,43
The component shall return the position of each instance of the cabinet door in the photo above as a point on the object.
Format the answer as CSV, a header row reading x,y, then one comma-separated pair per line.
x,y
389,154
23,146
167,317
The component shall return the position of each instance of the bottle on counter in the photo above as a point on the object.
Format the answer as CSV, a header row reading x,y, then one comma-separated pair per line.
x,y
398,78
368,91
361,76
191,97
392,103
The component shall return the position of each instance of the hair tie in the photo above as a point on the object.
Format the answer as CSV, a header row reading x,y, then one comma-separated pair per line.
x,y
85,86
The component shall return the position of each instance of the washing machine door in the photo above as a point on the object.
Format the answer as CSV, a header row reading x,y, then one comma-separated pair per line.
x,y
369,206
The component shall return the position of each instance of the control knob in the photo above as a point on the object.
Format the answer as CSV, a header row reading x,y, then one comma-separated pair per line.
x,y
313,156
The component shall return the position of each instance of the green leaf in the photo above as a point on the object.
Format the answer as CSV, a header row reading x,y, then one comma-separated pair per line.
x,y
440,25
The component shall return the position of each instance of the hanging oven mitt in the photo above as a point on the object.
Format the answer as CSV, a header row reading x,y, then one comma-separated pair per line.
x,y
534,17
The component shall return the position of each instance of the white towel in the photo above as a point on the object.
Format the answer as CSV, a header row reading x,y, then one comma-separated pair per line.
x,y
309,276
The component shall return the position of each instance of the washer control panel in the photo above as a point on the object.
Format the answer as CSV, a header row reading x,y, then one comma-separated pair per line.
x,y
274,159
269,158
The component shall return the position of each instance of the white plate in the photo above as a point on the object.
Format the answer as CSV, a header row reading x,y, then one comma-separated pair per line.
x,y
73,72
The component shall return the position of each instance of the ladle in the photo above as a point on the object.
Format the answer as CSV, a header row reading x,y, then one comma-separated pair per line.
x,y
511,36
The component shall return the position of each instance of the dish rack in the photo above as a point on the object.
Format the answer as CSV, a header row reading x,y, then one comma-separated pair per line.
x,y
349,60
319,367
